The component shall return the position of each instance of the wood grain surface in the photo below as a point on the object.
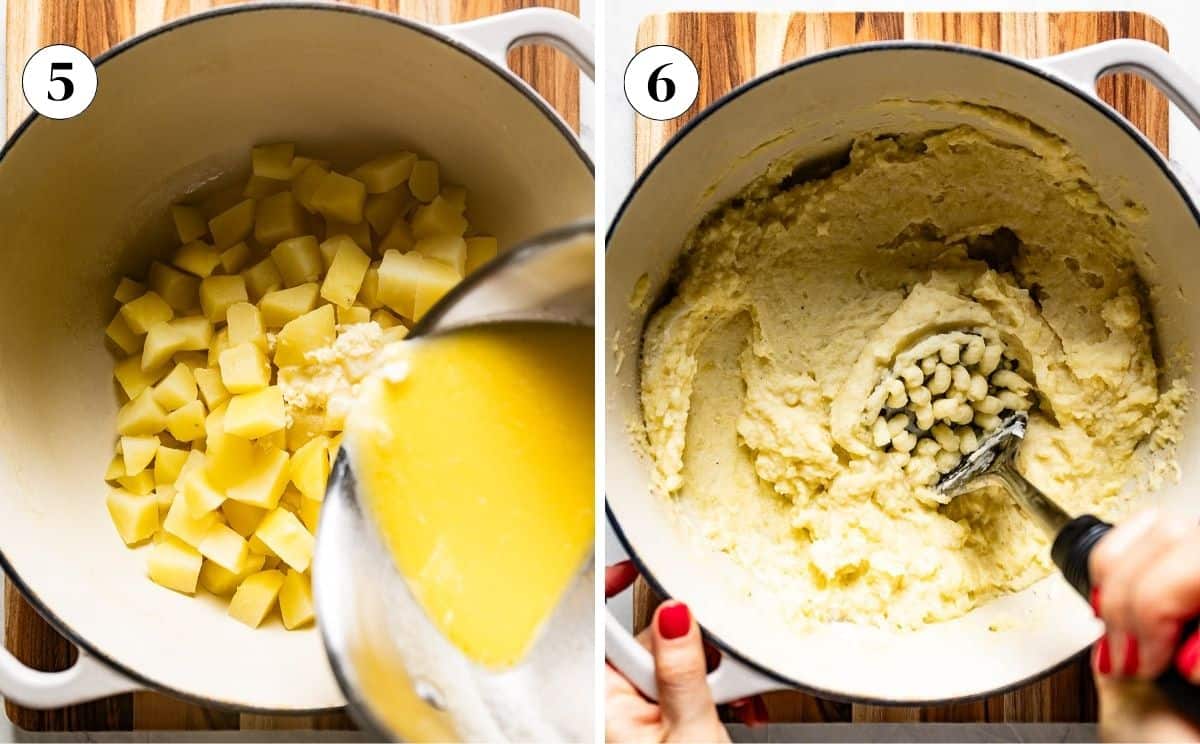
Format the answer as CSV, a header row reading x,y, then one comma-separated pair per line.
x,y
731,48
94,26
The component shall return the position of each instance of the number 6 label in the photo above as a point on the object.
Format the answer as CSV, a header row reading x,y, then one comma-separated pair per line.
x,y
59,81
661,82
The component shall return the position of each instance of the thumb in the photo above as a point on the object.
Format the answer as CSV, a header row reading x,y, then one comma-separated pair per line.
x,y
679,666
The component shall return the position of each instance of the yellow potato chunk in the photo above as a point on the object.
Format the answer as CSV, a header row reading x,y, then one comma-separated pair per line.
x,y
134,516
398,277
193,360
382,210
305,185
222,583
235,257
423,181
139,484
132,378
224,547
304,334
189,222
399,238
233,225
345,276
285,535
245,325
299,260
310,514
162,341
116,468
309,468
217,293
480,250
146,312
273,161
220,342
439,217
284,305
295,601
198,492
456,195
449,249
385,320
182,524
175,565
141,416
279,217
186,423
436,282
197,332
244,368
128,290
262,278
119,333
305,426
214,425
353,315
167,463
212,390
137,453
229,459
255,597
243,518
368,294
301,163
198,257
258,187
385,172
256,414
180,290
340,197
177,389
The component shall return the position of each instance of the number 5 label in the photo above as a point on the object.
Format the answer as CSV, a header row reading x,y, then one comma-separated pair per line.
x,y
59,81
661,82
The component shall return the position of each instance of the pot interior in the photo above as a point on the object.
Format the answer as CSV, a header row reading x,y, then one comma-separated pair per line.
x,y
812,109
84,201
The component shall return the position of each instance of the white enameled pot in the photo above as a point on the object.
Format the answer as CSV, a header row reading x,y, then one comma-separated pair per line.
x,y
84,201
813,106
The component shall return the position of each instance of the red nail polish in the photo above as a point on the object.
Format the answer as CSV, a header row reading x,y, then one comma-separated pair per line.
x,y
1189,654
761,715
1103,657
674,621
1095,600
1130,667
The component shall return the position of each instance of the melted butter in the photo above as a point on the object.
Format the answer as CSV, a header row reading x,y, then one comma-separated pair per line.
x,y
475,456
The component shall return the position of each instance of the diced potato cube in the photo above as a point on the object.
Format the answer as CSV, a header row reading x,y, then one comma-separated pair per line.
x,y
116,468
456,195
222,583
180,290
162,341
438,279
305,185
262,278
258,547
423,181
167,464
360,233
135,517
340,197
301,164
399,238
175,565
449,249
128,290
235,257
265,480
368,294
285,535
273,161
255,597
299,260
399,274
284,305
214,425
245,325
177,389
186,423
305,426
180,522
385,172
165,496
295,601
229,459
198,493
291,499
310,514
189,222
198,257
138,452
193,360
243,518
226,548
439,217
304,334
217,293
119,333
140,484
255,414
146,312
220,343
133,379
309,468
260,187
279,217
141,416
212,391
353,315
233,225
197,332
382,210
395,333
244,368
345,276
385,319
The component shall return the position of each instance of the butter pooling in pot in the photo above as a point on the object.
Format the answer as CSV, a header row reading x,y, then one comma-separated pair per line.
x,y
795,300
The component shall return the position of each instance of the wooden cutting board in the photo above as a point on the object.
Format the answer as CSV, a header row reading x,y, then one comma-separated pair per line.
x,y
731,48
94,26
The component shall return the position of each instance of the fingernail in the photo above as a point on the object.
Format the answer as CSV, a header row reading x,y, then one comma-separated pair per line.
x,y
1095,600
1103,657
1130,666
1189,654
674,620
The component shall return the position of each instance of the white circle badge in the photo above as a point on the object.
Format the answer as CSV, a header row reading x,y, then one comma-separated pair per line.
x,y
661,82
59,81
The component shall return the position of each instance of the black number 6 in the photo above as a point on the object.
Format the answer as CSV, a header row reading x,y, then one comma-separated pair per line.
x,y
652,86
68,86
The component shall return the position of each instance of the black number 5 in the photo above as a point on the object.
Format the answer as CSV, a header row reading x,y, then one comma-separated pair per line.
x,y
668,84
68,87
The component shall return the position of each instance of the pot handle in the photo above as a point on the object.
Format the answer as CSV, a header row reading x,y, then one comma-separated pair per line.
x,y
729,681
495,35
88,679
1083,67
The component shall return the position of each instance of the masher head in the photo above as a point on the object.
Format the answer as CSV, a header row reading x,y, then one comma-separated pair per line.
x,y
998,447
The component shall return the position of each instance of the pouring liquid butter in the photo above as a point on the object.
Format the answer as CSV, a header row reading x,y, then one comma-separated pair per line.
x,y
474,455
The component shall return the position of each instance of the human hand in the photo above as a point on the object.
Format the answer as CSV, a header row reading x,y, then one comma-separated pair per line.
x,y
1146,579
685,710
